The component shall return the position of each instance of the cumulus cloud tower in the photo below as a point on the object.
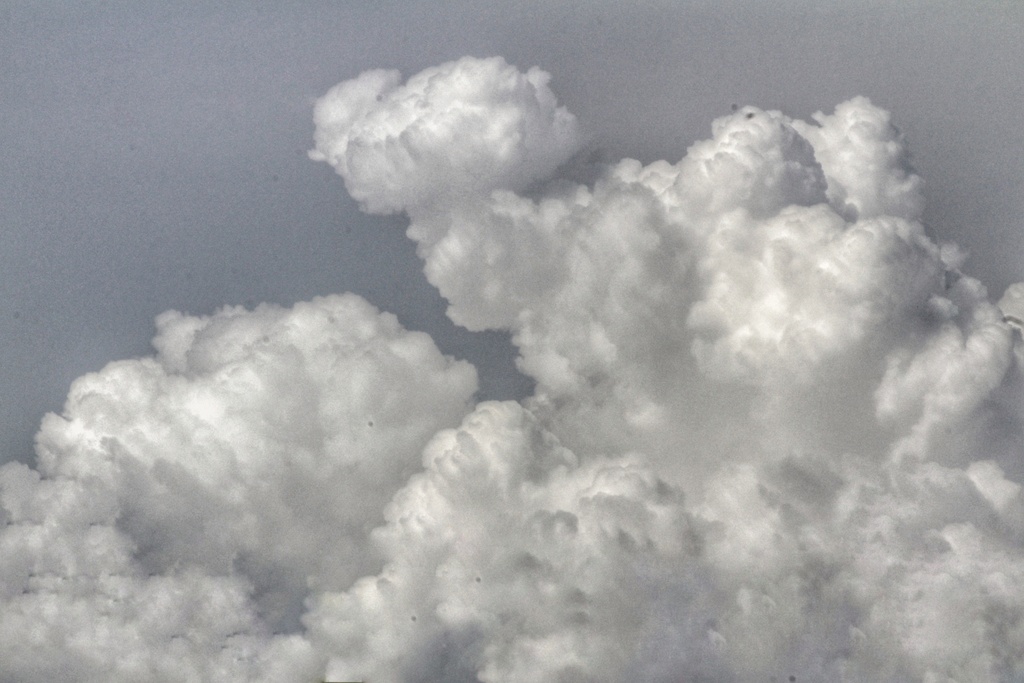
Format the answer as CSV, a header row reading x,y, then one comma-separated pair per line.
x,y
775,433
767,326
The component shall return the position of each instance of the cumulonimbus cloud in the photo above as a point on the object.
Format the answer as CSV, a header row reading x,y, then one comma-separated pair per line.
x,y
776,432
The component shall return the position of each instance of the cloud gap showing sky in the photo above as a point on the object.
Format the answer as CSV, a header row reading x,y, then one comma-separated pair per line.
x,y
776,429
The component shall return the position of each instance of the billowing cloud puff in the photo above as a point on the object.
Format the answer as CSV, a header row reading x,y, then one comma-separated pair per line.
x,y
182,503
776,433
863,156
472,125
511,561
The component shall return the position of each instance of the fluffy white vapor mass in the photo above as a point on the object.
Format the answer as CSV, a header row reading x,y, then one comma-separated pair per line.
x,y
472,125
776,434
186,505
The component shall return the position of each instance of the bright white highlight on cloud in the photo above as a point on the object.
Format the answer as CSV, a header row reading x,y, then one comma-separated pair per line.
x,y
464,127
776,432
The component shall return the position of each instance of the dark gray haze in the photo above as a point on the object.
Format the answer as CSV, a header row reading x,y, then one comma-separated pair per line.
x,y
155,154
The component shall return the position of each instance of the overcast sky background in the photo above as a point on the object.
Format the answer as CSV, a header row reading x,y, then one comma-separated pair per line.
x,y
155,154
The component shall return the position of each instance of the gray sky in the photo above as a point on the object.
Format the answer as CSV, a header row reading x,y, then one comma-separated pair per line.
x,y
155,153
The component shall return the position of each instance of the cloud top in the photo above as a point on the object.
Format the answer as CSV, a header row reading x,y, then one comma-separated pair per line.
x,y
472,125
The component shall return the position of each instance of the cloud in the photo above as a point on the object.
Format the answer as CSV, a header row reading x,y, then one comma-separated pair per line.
x,y
185,505
552,599
776,431
472,125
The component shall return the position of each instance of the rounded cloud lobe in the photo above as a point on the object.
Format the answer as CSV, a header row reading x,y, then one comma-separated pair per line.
x,y
775,433
468,126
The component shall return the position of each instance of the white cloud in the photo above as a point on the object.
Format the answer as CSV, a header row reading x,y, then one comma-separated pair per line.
x,y
511,560
866,162
472,125
186,505
767,321
775,433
